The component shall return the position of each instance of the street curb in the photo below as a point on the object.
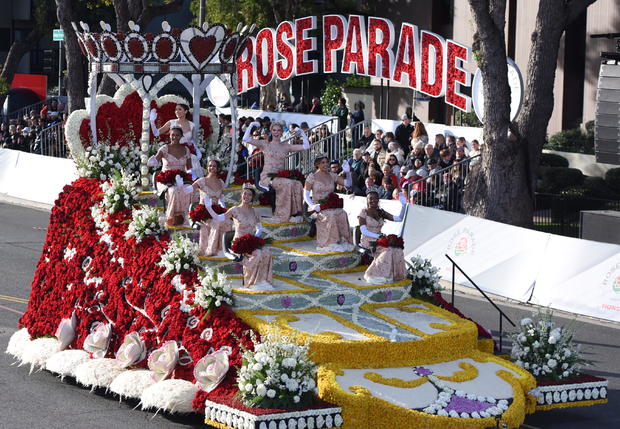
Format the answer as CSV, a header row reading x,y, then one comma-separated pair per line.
x,y
4,198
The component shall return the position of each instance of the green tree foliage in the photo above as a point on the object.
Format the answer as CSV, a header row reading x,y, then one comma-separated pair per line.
x,y
330,94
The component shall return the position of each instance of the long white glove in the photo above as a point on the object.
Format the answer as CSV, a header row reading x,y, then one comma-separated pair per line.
x,y
304,137
403,207
152,117
193,173
208,202
259,229
367,233
152,162
178,180
198,153
348,179
247,137
221,201
308,200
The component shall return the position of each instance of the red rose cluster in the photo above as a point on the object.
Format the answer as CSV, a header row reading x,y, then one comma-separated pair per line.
x,y
246,244
289,174
201,214
168,177
333,201
391,240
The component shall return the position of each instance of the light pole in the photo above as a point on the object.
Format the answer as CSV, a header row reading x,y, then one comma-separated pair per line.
x,y
201,13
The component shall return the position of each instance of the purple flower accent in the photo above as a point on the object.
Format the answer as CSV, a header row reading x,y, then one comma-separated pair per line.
x,y
292,266
340,299
286,301
465,405
295,232
422,372
343,262
388,294
238,268
153,201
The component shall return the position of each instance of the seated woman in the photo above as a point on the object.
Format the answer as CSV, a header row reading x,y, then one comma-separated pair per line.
x,y
388,264
211,231
175,156
332,224
257,266
181,112
289,202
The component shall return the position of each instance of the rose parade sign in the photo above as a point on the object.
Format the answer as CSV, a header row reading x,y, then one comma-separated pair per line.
x,y
420,59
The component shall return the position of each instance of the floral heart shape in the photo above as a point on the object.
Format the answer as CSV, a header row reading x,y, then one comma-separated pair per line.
x,y
111,46
199,46
165,47
136,47
211,370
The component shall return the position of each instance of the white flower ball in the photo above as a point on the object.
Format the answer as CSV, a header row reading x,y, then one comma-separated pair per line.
x,y
271,393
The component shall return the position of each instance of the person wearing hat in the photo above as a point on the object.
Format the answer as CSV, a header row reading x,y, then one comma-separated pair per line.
x,y
402,134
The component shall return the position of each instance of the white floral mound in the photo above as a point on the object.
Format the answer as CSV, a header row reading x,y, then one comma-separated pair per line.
x,y
180,255
548,352
100,162
277,374
214,290
144,223
425,277
119,193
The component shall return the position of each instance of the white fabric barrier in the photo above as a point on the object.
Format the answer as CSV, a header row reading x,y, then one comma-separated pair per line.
x,y
34,177
287,117
470,133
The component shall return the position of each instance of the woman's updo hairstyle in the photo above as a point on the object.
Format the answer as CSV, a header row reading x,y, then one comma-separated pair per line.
x,y
186,108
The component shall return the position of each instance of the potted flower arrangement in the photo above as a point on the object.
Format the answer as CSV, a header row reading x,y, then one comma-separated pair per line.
x,y
549,353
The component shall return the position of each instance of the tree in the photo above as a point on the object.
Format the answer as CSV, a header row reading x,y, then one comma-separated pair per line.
x,y
76,69
43,13
502,186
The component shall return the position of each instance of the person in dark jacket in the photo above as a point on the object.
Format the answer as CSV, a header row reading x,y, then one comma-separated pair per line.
x,y
403,132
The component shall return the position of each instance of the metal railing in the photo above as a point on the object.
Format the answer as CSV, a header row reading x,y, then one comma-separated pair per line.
x,y
51,142
19,113
502,315
443,189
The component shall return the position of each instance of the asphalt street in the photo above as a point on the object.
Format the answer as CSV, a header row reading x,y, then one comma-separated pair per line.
x,y
41,400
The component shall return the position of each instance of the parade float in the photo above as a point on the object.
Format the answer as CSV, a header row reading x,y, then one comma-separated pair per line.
x,y
122,304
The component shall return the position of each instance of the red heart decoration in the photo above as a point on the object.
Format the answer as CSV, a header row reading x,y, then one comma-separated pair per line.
x,y
135,47
230,47
163,48
92,47
82,48
110,47
202,47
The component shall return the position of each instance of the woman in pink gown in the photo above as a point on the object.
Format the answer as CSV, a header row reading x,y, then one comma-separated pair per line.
x,y
211,231
332,225
257,266
289,203
388,264
175,156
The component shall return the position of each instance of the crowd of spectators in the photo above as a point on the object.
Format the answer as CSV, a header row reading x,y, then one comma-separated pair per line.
x,y
25,133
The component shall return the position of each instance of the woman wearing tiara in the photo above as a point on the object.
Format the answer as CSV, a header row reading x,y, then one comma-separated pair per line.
x,y
289,203
181,112
332,224
388,264
257,265
175,156
211,231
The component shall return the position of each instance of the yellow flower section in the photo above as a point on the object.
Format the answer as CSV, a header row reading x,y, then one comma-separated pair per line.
x,y
468,373
328,275
283,224
486,345
217,425
303,288
282,245
361,410
548,407
394,382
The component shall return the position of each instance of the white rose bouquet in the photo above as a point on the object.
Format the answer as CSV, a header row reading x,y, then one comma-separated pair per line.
x,y
100,161
214,290
144,223
119,193
425,277
180,255
277,374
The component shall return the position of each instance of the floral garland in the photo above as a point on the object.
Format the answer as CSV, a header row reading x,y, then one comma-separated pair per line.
x,y
144,223
101,161
246,244
425,277
119,193
289,174
277,374
180,255
168,177
546,351
391,240
201,214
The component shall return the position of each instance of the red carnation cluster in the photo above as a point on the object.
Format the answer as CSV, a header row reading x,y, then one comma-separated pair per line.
x,y
333,201
289,174
201,214
168,177
238,180
246,244
391,240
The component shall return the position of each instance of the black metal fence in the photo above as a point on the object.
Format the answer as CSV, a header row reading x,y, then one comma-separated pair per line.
x,y
560,214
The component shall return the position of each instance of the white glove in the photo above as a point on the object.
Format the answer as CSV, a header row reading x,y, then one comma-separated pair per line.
x,y
217,217
259,229
316,207
152,162
367,233
193,173
221,201
152,115
247,137
304,137
188,189
308,198
346,167
198,153
402,199
178,181
403,202
207,200
255,124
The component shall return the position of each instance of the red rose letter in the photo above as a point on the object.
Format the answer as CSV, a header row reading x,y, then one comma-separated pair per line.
x,y
380,41
265,46
305,44
285,65
457,76
356,49
432,61
406,57
334,27
245,67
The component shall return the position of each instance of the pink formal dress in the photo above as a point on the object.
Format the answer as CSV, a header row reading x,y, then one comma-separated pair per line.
x,y
178,199
211,231
332,225
289,193
389,263
257,267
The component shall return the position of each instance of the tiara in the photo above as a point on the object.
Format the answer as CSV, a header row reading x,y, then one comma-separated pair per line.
x,y
249,186
320,156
